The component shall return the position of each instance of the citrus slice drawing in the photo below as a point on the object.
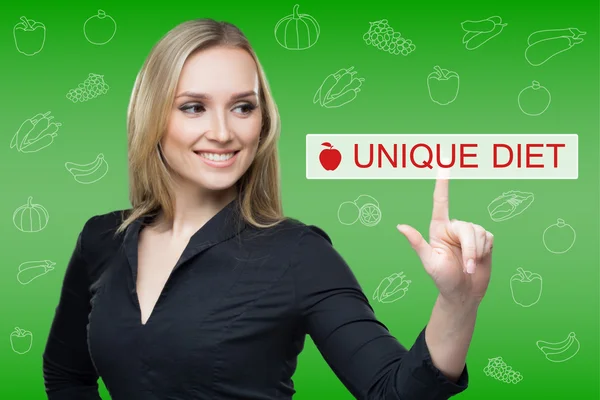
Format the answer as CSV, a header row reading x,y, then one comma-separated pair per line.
x,y
370,214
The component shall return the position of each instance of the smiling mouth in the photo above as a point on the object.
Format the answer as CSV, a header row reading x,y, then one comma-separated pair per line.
x,y
217,157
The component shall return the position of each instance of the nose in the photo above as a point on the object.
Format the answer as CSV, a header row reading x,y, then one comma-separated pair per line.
x,y
219,127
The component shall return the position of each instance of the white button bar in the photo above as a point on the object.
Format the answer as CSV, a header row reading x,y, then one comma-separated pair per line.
x,y
419,156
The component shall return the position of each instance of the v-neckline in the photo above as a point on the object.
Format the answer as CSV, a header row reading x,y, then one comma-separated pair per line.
x,y
164,286
225,224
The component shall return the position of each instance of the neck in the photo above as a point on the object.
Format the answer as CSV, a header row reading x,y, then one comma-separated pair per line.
x,y
193,207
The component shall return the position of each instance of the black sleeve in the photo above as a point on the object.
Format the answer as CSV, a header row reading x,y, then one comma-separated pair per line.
x,y
360,350
67,366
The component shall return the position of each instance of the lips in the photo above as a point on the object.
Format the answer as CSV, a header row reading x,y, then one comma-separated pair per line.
x,y
218,159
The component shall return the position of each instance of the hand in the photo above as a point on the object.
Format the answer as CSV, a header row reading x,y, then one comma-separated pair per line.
x,y
458,256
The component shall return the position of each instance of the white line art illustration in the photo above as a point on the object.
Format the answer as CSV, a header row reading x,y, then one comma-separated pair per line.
x,y
385,38
35,133
297,31
392,288
534,100
365,208
443,85
499,370
509,204
30,36
526,287
99,29
560,351
558,238
330,158
481,31
30,270
21,340
546,44
30,217
92,87
338,88
88,173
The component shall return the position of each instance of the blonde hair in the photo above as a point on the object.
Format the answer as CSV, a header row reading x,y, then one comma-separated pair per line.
x,y
150,106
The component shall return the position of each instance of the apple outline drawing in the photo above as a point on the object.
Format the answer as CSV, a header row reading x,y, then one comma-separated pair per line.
x,y
330,158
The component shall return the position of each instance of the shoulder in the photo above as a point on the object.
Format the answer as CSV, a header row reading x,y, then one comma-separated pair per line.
x,y
317,267
310,246
98,236
292,232
103,224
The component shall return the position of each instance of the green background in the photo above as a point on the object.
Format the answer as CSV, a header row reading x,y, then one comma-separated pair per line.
x,y
394,99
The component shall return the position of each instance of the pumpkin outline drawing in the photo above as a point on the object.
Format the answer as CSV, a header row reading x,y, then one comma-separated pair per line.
x,y
301,35
20,214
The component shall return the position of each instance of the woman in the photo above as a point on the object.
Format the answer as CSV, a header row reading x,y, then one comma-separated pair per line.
x,y
203,290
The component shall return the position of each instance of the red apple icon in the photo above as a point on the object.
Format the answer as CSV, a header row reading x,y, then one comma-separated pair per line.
x,y
330,158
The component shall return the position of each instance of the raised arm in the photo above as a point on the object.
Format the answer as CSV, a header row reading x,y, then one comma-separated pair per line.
x,y
366,358
67,366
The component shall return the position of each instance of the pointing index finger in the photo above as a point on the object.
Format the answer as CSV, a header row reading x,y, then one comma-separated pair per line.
x,y
440,196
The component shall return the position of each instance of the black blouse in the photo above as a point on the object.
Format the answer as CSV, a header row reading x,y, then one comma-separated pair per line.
x,y
230,322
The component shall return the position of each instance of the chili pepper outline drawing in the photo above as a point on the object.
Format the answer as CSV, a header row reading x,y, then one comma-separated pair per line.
x,y
35,133
398,292
338,88
41,267
550,43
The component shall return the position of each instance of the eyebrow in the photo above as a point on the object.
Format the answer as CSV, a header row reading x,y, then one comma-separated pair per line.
x,y
205,96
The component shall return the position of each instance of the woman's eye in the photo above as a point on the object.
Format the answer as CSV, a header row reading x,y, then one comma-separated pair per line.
x,y
246,108
192,108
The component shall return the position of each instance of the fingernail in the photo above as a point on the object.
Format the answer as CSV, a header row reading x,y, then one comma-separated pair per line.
x,y
470,266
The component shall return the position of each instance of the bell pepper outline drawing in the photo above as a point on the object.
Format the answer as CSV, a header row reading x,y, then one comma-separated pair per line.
x,y
392,288
526,287
20,339
338,88
443,85
29,27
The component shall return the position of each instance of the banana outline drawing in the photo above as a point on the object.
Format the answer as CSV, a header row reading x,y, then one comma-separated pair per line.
x,y
560,351
88,173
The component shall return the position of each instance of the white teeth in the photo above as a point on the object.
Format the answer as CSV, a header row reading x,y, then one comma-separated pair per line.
x,y
216,157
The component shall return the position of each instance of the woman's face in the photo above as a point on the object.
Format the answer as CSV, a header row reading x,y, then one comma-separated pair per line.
x,y
215,123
